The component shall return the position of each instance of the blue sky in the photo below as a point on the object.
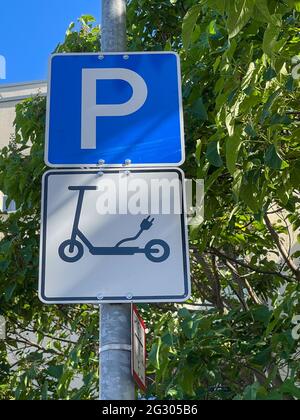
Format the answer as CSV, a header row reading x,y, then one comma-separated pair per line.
x,y
31,29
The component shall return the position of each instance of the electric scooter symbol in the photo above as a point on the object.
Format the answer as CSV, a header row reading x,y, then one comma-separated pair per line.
x,y
72,249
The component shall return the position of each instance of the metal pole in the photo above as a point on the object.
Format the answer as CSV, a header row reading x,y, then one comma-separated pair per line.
x,y
113,28
116,382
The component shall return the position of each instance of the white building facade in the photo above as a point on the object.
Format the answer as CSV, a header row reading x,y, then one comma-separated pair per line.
x,y
10,96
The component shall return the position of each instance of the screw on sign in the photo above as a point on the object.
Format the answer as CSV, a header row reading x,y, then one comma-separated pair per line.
x,y
138,349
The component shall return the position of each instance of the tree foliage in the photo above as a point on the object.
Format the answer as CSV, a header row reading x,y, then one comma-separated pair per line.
x,y
51,352
234,340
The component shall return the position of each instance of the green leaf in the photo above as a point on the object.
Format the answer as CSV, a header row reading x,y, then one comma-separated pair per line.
x,y
213,154
153,356
187,380
249,190
70,28
272,158
239,14
9,291
297,6
270,102
168,339
188,327
55,371
189,23
35,356
295,175
86,19
263,357
229,121
249,129
168,46
290,84
262,6
270,46
218,5
184,313
233,145
270,74
199,110
262,314
45,391
297,253
211,205
289,388
212,179
251,391
198,150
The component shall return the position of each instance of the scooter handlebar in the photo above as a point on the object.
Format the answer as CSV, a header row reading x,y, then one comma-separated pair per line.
x,y
83,188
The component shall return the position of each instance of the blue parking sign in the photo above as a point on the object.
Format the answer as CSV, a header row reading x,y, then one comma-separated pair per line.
x,y
113,108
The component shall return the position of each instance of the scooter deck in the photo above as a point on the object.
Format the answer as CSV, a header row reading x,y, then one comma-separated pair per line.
x,y
119,250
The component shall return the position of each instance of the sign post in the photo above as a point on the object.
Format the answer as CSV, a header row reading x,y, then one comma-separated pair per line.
x,y
116,382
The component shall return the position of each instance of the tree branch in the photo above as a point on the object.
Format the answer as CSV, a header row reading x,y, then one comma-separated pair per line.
x,y
213,250
212,275
29,343
217,285
289,262
245,282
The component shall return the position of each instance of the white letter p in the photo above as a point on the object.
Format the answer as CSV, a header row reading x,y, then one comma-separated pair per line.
x,y
91,110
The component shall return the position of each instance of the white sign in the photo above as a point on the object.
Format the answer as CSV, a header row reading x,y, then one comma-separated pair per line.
x,y
138,349
119,237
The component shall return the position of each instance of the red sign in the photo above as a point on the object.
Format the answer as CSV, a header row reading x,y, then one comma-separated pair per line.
x,y
138,349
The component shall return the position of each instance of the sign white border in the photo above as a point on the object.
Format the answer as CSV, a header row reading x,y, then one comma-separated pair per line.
x,y
88,165
107,299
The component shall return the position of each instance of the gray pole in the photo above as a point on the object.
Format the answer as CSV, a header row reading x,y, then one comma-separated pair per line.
x,y
116,381
113,28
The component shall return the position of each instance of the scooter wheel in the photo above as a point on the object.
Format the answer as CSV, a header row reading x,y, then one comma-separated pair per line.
x,y
157,250
66,255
